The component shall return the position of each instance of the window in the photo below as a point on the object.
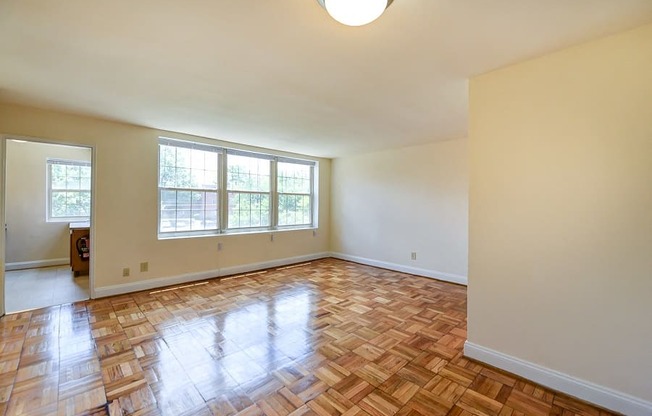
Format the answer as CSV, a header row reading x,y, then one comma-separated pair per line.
x,y
294,193
188,187
248,181
207,190
69,190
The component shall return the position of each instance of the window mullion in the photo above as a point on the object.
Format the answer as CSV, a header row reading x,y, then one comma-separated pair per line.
x,y
176,211
223,196
49,201
312,196
273,200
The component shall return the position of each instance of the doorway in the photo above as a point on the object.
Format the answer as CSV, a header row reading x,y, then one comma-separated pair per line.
x,y
47,204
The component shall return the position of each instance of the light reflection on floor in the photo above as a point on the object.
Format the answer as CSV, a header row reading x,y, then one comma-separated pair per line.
x,y
329,338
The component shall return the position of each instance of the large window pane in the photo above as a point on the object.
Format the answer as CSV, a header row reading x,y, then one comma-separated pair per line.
x,y
294,210
248,174
58,204
294,184
168,211
183,177
188,187
294,178
248,210
198,210
85,203
248,185
183,219
183,157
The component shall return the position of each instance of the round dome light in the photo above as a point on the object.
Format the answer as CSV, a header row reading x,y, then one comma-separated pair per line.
x,y
355,12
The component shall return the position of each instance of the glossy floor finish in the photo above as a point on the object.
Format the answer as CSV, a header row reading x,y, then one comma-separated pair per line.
x,y
46,286
326,338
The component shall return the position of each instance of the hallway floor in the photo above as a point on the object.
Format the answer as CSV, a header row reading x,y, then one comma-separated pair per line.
x,y
39,288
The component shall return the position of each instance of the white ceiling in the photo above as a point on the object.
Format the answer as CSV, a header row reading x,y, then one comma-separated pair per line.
x,y
280,73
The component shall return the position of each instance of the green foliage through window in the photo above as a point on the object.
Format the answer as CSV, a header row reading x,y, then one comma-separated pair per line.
x,y
69,189
295,190
188,189
261,191
248,184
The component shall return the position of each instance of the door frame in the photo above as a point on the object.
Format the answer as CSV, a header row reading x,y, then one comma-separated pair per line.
x,y
3,212
3,219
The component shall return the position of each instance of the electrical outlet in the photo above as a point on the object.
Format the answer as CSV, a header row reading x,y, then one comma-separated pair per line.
x,y
219,246
414,255
144,267
125,272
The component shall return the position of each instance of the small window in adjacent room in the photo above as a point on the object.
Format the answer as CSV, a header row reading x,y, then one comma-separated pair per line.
x,y
69,190
188,188
294,187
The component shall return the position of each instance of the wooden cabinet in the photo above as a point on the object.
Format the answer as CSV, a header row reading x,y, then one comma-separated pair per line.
x,y
79,261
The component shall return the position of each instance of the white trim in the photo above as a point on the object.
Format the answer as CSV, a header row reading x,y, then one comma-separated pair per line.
x,y
91,271
3,219
433,274
93,234
20,265
585,390
101,292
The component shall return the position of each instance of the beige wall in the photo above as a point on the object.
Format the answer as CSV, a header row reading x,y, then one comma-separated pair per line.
x,y
560,261
389,204
125,211
30,238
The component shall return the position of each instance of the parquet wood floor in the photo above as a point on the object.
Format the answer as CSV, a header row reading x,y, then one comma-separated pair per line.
x,y
326,338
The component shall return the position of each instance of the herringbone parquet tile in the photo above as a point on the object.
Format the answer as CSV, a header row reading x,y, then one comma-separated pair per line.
x,y
327,338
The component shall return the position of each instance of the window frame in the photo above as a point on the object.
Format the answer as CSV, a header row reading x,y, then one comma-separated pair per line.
x,y
311,195
218,190
49,163
254,155
223,191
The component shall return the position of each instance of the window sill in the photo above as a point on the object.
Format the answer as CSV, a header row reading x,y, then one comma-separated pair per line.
x,y
178,236
68,220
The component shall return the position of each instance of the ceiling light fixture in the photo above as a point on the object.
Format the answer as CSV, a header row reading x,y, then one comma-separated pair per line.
x,y
355,12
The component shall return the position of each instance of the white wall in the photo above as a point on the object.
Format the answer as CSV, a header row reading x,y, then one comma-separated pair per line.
x,y
388,204
125,211
560,261
30,238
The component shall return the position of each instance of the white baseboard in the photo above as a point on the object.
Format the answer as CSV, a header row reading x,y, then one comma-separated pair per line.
x,y
590,392
434,274
245,268
101,292
20,265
